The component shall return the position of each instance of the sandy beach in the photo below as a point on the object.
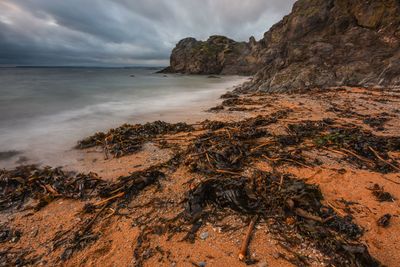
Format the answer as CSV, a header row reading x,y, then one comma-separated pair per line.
x,y
345,185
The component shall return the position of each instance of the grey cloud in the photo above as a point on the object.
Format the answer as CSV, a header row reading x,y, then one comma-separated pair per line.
x,y
123,32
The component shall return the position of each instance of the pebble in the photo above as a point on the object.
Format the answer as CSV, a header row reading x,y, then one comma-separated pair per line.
x,y
204,235
202,264
262,264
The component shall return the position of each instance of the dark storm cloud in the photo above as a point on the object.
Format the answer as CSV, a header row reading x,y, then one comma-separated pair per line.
x,y
123,32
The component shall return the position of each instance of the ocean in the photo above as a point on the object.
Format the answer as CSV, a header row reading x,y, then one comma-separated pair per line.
x,y
45,111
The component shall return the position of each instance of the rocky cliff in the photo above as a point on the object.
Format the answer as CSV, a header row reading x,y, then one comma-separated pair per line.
x,y
217,55
321,43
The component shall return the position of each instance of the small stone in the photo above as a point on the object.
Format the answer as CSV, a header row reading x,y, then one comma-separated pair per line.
x,y
204,235
262,264
202,264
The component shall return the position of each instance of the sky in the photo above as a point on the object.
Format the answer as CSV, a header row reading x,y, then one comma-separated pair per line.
x,y
123,32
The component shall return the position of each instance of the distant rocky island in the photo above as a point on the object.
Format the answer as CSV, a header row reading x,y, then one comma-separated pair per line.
x,y
321,43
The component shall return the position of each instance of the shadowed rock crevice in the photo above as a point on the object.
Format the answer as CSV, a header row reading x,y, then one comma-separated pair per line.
x,y
321,43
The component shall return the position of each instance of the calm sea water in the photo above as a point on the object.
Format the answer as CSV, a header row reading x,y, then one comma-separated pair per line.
x,y
45,111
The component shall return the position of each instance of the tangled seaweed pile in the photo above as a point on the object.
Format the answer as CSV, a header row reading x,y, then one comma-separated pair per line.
x,y
293,210
227,147
366,148
44,185
128,139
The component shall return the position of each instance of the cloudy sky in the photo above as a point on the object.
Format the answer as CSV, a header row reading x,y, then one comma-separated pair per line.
x,y
123,32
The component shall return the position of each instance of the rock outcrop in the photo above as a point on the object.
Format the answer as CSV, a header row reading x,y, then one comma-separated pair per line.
x,y
321,43
217,55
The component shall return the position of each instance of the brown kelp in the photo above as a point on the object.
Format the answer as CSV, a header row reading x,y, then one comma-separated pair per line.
x,y
362,147
115,195
294,212
19,185
128,139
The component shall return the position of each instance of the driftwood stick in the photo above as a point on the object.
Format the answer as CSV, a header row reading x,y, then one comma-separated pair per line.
x,y
110,198
336,151
246,241
341,213
382,159
287,160
183,138
345,152
50,189
297,162
271,159
262,145
390,180
357,156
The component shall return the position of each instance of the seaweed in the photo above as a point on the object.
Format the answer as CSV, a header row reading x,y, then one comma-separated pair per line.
x,y
278,199
115,195
226,147
229,95
8,234
376,122
18,258
380,194
45,185
216,108
230,102
363,147
384,221
128,139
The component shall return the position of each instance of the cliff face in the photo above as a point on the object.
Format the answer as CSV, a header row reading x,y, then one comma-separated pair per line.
x,y
326,43
217,55
322,43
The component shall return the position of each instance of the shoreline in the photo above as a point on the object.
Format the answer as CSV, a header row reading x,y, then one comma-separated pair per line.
x,y
339,179
63,154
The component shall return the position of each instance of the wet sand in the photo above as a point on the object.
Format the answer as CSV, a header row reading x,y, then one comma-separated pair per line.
x,y
337,179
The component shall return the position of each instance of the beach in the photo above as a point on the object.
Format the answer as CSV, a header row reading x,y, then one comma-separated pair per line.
x,y
133,234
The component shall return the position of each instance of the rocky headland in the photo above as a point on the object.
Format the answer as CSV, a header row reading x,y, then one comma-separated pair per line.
x,y
321,43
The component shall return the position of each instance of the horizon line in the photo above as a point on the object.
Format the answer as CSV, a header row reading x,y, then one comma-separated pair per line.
x,y
79,66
